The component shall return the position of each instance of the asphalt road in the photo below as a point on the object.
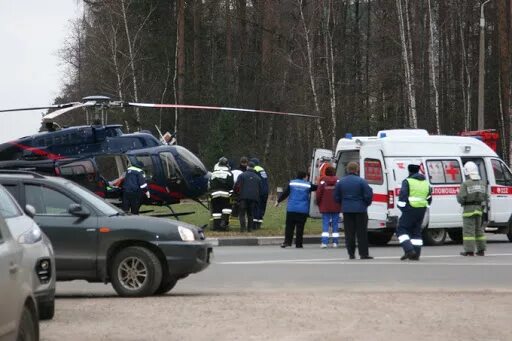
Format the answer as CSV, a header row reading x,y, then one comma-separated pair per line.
x,y
256,268
269,293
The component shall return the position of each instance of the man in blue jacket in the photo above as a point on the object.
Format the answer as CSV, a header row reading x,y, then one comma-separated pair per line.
x,y
298,193
355,195
414,198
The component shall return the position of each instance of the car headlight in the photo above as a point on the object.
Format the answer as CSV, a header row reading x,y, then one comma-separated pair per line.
x,y
31,236
186,234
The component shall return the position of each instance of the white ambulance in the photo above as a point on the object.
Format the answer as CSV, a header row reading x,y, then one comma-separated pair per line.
x,y
383,161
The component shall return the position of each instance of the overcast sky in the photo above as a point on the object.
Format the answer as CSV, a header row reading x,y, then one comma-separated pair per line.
x,y
31,33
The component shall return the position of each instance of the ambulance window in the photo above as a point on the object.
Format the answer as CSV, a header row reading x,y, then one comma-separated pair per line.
x,y
501,173
373,171
344,159
444,172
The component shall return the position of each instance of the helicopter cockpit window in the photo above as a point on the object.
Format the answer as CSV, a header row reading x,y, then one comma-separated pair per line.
x,y
148,165
169,165
111,167
190,162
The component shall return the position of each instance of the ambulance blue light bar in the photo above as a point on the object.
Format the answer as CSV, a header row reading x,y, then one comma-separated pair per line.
x,y
348,136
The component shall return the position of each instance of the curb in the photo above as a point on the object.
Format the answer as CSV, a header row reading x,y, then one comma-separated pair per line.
x,y
260,241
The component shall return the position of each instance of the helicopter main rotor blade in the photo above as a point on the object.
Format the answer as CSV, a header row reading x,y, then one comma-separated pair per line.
x,y
55,106
59,112
201,107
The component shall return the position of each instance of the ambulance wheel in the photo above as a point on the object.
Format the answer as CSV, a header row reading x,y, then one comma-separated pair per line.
x,y
434,236
455,236
509,233
379,238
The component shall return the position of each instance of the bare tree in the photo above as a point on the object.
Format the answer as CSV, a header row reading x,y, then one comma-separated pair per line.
x,y
329,65
311,74
408,65
433,57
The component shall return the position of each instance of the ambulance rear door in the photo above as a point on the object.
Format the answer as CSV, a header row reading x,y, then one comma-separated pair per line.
x,y
314,172
373,169
445,177
500,205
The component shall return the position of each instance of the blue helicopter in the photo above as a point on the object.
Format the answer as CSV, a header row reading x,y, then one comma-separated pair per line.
x,y
97,155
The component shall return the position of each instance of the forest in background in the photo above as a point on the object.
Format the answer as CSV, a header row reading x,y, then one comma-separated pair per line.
x,y
362,65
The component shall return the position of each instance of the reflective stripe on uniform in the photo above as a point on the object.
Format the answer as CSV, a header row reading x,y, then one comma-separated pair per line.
x,y
144,185
298,184
335,235
417,242
133,168
401,203
481,238
472,213
468,238
226,211
216,215
325,234
403,238
220,194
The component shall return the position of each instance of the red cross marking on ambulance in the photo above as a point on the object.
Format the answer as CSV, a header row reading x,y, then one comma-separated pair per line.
x,y
452,171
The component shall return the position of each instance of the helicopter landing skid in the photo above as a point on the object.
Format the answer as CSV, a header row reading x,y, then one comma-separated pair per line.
x,y
176,215
172,214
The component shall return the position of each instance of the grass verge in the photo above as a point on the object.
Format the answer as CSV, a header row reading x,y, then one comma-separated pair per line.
x,y
273,224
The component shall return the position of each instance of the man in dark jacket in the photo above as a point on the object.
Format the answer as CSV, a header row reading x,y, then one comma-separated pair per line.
x,y
355,195
220,187
260,209
414,198
134,186
297,210
248,188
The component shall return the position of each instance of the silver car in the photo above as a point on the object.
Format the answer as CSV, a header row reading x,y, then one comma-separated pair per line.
x,y
38,252
18,308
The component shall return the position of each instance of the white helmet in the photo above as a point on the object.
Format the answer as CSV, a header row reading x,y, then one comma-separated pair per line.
x,y
471,170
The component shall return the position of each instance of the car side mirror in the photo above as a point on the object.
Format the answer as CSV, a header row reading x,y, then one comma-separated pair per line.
x,y
78,211
30,211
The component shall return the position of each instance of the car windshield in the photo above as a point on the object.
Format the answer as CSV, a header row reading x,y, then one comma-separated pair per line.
x,y
94,200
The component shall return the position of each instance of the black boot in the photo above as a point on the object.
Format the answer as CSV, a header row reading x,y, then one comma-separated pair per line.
x,y
409,255
467,254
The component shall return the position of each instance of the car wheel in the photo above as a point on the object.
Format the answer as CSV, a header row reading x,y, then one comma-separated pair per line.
x,y
434,236
46,310
29,326
166,285
136,271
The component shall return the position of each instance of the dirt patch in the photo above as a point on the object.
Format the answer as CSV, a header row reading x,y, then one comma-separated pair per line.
x,y
293,315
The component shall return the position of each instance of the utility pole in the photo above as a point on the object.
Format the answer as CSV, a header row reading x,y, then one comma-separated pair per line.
x,y
481,67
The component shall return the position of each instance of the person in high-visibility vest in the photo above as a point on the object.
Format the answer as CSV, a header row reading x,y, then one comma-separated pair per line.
x,y
415,196
472,196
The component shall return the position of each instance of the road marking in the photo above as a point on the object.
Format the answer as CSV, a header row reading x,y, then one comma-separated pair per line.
x,y
375,261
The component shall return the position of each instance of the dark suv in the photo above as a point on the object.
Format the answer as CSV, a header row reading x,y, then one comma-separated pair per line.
x,y
98,242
